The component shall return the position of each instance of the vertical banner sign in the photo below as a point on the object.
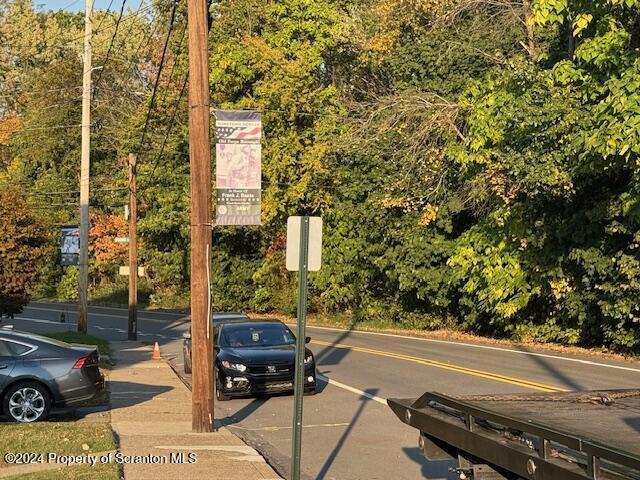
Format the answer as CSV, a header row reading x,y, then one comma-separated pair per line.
x,y
238,167
69,245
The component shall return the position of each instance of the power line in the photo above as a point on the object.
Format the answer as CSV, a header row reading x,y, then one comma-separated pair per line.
x,y
31,182
133,15
113,38
106,14
178,51
73,192
155,23
30,27
75,205
157,82
169,128
52,90
175,106
53,127
131,27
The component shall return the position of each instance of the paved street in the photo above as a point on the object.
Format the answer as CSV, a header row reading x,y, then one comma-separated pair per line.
x,y
349,431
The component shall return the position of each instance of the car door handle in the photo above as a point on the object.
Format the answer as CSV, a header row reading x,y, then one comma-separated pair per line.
x,y
2,367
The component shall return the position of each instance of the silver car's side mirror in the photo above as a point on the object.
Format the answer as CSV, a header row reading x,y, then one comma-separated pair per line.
x,y
186,335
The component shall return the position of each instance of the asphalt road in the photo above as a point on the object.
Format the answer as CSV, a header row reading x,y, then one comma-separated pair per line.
x,y
349,432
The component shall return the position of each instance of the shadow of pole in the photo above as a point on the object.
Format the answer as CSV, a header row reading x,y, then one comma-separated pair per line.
x,y
329,350
345,435
557,374
241,414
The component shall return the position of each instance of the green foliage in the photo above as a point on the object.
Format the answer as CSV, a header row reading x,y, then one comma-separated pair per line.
x,y
475,163
232,286
67,288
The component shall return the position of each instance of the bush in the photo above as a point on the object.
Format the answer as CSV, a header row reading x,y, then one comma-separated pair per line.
x,y
276,288
547,332
67,288
176,298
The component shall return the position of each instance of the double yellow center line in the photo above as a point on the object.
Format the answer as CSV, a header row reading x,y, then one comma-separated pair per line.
x,y
448,366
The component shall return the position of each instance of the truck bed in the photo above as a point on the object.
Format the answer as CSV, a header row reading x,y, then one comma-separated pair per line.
x,y
576,435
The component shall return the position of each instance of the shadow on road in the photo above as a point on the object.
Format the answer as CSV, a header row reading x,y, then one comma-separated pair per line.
x,y
242,414
633,422
176,324
566,381
127,394
333,356
432,470
345,435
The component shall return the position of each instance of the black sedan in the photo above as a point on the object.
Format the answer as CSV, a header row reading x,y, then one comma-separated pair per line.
x,y
38,373
217,318
257,357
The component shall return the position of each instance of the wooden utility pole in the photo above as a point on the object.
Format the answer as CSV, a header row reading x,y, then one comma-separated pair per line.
x,y
200,163
83,262
132,331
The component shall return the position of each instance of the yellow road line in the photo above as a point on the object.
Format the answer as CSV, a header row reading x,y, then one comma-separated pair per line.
x,y
447,366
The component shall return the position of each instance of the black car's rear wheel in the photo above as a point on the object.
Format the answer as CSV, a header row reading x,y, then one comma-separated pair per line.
x,y
27,402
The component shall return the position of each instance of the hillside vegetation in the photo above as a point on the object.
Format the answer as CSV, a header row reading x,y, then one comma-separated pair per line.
x,y
475,161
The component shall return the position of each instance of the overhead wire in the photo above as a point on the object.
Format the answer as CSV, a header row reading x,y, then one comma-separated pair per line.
x,y
155,23
113,38
106,14
158,76
169,128
74,192
78,38
117,25
30,27
176,105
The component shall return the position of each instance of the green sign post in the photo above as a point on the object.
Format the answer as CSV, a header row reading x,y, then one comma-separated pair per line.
x,y
304,241
300,347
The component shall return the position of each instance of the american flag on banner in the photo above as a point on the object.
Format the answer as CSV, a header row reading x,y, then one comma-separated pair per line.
x,y
238,125
239,133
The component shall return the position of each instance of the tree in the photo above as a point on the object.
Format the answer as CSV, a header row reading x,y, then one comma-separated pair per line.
x,y
23,243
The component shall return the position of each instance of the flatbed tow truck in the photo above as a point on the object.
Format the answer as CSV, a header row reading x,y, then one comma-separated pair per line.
x,y
592,435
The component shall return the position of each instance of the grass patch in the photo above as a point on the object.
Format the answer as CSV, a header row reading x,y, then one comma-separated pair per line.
x,y
108,471
77,337
59,437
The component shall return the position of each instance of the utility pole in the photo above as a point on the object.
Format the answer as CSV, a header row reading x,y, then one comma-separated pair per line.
x,y
83,273
200,163
133,251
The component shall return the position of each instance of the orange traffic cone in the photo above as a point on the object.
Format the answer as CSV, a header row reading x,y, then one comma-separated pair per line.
x,y
156,352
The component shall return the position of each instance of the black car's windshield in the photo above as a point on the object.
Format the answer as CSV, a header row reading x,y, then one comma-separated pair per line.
x,y
259,335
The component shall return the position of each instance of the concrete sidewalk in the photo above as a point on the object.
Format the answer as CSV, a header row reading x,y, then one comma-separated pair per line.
x,y
151,414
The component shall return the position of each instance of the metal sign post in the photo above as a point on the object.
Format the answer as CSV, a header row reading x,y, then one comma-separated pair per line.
x,y
300,347
304,241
